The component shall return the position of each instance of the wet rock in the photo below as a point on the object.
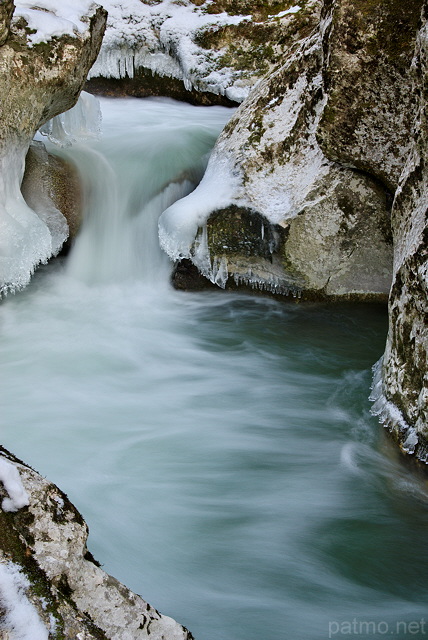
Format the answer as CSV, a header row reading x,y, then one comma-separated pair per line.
x,y
404,405
50,184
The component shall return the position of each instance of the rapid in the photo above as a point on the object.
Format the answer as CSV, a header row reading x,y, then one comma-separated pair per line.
x,y
219,445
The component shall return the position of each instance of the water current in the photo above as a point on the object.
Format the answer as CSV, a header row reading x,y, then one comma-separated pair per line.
x,y
219,445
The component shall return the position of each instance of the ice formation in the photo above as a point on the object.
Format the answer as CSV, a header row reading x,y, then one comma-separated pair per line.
x,y
21,620
9,476
161,38
389,415
78,124
180,225
25,239
29,237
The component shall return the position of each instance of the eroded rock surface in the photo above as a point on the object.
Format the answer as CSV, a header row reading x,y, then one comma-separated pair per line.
x,y
335,219
44,546
402,393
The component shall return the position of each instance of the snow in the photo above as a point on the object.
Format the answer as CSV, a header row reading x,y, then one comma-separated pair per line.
x,y
161,38
21,620
9,476
287,12
50,18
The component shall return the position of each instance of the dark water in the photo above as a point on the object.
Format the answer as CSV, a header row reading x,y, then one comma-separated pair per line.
x,y
220,446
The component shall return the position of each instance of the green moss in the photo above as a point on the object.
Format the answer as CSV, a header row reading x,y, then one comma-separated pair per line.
x,y
238,231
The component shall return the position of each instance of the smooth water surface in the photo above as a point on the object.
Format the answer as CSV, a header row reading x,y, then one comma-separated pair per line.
x,y
220,446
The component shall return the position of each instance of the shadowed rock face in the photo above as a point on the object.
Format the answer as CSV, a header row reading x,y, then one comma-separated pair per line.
x,y
6,11
405,366
371,105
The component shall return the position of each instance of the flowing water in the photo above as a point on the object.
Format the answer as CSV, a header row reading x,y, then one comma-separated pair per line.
x,y
220,446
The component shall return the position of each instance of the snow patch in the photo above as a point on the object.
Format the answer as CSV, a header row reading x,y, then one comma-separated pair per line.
x,y
21,620
9,476
50,18
287,12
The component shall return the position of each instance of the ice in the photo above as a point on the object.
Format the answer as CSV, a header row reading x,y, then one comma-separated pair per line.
x,y
30,236
20,620
390,416
179,224
25,239
80,123
9,476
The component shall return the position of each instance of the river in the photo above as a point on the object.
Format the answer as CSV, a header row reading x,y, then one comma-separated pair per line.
x,y
219,445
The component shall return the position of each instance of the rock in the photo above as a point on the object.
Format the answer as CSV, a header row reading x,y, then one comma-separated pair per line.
x,y
402,394
6,11
371,106
39,78
50,184
43,548
335,220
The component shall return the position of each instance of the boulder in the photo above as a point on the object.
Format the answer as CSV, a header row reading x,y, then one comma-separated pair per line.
x,y
50,582
331,220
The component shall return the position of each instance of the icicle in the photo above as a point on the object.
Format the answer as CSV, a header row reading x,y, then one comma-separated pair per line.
x,y
80,123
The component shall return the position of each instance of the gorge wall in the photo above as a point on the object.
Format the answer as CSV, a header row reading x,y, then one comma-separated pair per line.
x,y
324,167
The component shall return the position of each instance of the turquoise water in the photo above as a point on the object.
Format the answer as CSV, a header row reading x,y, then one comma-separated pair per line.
x,y
220,446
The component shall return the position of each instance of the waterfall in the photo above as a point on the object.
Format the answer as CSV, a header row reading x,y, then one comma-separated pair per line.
x,y
128,183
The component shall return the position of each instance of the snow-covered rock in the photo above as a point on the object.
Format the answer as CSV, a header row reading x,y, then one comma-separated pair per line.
x,y
207,47
50,586
327,223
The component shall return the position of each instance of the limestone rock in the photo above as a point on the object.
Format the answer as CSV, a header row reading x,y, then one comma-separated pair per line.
x,y
50,182
6,11
403,395
72,596
371,104
336,238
